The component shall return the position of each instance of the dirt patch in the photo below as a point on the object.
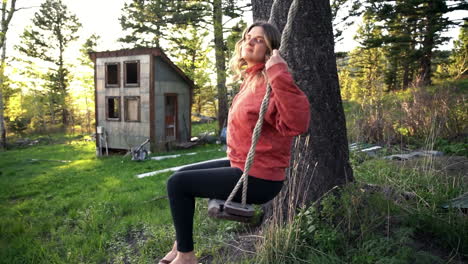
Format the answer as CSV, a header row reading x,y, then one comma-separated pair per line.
x,y
423,242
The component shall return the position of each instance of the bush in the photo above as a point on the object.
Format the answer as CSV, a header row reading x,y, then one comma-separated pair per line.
x,y
414,114
19,125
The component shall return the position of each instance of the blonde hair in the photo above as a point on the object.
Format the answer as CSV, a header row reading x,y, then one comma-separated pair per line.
x,y
272,40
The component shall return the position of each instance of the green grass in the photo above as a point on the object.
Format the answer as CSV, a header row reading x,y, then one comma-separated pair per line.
x,y
91,210
94,210
359,226
197,129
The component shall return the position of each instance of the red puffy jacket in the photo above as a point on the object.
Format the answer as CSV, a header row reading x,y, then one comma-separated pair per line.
x,y
288,115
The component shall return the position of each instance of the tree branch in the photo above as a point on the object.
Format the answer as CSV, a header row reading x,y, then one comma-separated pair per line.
x,y
27,7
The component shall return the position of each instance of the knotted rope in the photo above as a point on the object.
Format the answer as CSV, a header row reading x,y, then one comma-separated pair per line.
x,y
264,106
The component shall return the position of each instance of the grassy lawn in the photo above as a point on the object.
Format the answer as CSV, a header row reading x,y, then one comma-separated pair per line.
x,y
91,210
61,204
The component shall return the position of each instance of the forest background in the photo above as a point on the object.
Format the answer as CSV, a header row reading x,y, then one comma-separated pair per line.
x,y
47,77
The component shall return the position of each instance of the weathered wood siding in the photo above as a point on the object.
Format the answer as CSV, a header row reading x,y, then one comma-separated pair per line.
x,y
167,80
122,134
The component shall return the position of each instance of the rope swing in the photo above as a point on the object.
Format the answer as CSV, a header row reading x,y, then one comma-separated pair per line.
x,y
244,212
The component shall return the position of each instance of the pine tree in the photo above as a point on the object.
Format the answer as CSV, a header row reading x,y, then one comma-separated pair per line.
x,y
192,58
459,65
87,80
88,46
151,21
366,81
353,7
7,15
367,66
411,30
53,28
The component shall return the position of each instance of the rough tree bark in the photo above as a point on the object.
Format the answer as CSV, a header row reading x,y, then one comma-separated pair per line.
x,y
2,77
425,72
261,9
320,157
220,63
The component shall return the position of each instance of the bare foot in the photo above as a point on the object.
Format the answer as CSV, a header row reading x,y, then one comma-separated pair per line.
x,y
170,256
185,258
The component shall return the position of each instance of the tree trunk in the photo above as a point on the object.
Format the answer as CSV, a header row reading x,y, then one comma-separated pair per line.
x,y
220,63
320,157
425,71
2,117
7,15
261,9
279,13
63,86
406,70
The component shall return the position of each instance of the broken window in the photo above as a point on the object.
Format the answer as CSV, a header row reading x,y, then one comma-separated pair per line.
x,y
113,108
132,73
112,75
132,108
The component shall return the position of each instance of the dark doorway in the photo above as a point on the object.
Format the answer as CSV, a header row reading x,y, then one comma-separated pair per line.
x,y
171,117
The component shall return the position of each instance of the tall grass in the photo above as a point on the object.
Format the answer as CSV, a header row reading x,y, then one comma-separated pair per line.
x,y
410,116
392,213
359,224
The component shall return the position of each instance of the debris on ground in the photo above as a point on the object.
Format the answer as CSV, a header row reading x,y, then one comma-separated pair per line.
x,y
415,154
185,145
63,161
207,137
367,148
139,153
461,202
174,168
172,156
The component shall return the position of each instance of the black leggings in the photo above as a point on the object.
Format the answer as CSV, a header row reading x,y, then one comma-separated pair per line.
x,y
214,179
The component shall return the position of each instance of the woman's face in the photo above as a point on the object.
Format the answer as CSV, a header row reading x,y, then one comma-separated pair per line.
x,y
254,46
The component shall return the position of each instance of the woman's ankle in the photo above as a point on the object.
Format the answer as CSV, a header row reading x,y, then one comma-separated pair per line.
x,y
186,255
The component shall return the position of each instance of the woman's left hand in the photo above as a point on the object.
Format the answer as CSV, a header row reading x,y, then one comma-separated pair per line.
x,y
274,59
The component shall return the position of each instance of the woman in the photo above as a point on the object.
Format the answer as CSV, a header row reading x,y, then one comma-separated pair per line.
x,y
256,57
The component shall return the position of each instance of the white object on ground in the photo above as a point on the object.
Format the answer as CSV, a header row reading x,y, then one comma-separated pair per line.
x,y
172,156
175,168
371,148
426,153
64,161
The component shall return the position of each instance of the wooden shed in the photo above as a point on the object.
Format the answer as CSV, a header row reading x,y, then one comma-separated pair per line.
x,y
140,94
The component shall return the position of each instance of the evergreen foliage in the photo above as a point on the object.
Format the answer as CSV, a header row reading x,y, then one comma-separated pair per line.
x,y
53,28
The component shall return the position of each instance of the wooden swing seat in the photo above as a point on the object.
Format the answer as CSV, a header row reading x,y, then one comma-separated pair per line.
x,y
232,211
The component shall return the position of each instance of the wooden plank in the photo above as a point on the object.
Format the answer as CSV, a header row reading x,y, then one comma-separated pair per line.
x,y
174,168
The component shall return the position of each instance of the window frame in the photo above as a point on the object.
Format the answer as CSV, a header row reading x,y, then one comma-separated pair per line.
x,y
126,99
131,85
107,85
107,108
